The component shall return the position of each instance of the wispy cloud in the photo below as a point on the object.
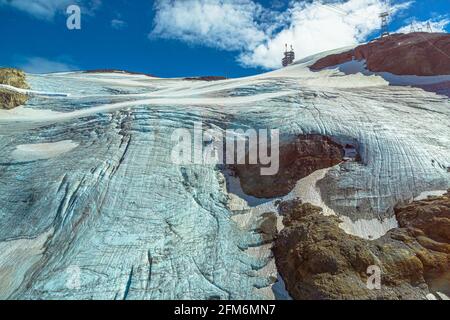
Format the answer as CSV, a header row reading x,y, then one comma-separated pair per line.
x,y
118,24
47,9
258,34
43,65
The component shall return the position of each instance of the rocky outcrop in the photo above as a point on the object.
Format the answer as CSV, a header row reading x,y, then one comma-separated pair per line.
x,y
421,54
428,221
15,78
318,260
298,159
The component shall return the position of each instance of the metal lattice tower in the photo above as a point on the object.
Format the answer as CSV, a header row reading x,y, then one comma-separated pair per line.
x,y
289,56
284,62
384,23
429,28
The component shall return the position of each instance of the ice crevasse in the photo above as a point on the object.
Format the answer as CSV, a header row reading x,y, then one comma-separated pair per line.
x,y
91,205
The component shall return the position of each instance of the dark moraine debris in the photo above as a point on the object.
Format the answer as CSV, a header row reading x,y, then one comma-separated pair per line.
x,y
206,78
318,260
16,78
298,159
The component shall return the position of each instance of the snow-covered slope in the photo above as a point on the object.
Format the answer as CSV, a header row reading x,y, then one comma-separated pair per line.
x,y
111,217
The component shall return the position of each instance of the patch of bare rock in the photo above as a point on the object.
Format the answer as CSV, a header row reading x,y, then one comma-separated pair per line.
x,y
297,159
420,54
15,78
318,260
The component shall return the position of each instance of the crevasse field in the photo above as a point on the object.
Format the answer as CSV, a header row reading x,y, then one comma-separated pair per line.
x,y
91,205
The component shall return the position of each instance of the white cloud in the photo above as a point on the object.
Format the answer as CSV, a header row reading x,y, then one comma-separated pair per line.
x,y
228,25
118,24
315,27
259,34
438,25
42,65
47,9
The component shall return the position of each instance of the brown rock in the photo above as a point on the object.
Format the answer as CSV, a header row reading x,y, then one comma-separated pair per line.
x,y
318,260
268,227
332,60
421,54
15,78
298,159
431,216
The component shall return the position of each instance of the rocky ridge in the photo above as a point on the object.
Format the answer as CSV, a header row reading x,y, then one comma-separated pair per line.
x,y
420,54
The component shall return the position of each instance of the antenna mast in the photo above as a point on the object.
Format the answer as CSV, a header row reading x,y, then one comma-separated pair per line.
x,y
385,20
384,24
289,56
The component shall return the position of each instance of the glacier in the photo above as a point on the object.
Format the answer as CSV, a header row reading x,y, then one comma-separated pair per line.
x,y
105,214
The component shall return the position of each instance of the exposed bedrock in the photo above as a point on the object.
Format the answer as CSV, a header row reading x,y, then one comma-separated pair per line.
x,y
297,159
420,53
15,78
429,222
318,260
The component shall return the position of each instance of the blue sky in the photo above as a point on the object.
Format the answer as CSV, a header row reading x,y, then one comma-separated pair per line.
x,y
194,37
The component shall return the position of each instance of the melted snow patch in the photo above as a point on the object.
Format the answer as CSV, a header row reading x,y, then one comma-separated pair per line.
x,y
368,229
21,113
41,151
306,189
16,258
32,92
434,193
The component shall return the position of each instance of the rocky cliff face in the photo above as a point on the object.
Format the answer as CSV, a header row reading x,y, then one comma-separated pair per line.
x,y
420,54
15,78
318,260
